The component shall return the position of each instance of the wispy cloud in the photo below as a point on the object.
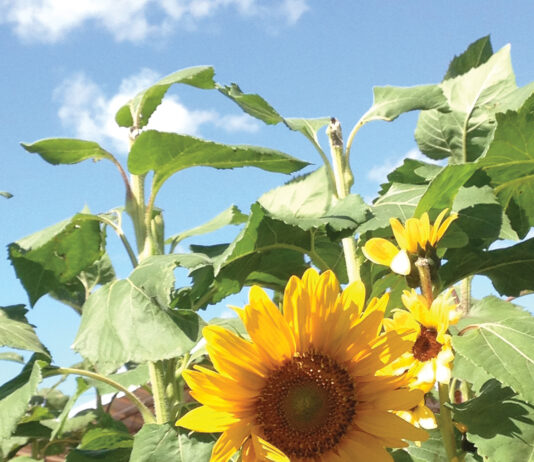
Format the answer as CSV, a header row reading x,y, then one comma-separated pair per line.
x,y
379,173
87,112
134,20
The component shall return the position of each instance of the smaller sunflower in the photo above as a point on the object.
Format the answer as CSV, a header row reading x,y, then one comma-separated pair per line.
x,y
430,359
418,238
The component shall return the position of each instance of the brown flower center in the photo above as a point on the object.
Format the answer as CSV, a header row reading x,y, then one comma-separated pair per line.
x,y
426,346
306,405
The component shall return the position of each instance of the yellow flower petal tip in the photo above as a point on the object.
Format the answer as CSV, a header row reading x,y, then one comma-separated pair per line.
x,y
307,386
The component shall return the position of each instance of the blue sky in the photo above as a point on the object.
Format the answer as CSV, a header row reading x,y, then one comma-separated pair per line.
x,y
68,65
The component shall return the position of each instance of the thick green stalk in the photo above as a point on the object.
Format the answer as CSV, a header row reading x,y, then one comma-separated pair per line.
x,y
423,267
465,295
148,417
156,370
343,179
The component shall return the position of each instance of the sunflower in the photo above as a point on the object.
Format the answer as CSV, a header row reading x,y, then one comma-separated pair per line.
x,y
430,358
417,238
305,388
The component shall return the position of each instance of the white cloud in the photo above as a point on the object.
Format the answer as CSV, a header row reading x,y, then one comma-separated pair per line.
x,y
90,114
134,20
380,172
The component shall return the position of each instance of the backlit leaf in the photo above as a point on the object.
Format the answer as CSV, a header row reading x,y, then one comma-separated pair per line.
x,y
16,332
155,443
56,255
499,338
66,150
476,54
130,319
168,153
137,112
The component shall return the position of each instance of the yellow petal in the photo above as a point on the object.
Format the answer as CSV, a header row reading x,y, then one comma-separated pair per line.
x,y
401,263
267,328
266,451
401,399
207,420
435,227
424,230
229,442
413,235
353,297
399,232
359,447
380,251
385,424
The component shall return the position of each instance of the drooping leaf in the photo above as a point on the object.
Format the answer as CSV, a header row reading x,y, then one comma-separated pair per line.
x,y
155,443
252,104
168,153
67,150
463,133
130,319
390,102
15,396
413,171
137,112
56,255
499,337
17,332
444,187
498,423
477,53
509,269
230,216
509,161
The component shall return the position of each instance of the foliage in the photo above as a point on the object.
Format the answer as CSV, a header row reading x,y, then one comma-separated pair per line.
x,y
477,121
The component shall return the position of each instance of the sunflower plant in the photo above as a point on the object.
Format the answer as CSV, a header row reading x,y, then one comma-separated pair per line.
x,y
361,339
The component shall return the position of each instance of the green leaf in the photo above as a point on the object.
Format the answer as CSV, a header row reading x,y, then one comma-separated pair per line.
x,y
444,187
465,369
104,445
399,201
15,396
56,255
463,134
130,320
138,110
16,332
168,153
476,54
230,216
67,150
499,338
9,356
414,172
509,161
509,269
499,424
431,450
252,104
155,443
81,387
390,102
480,215
309,128
75,292
138,376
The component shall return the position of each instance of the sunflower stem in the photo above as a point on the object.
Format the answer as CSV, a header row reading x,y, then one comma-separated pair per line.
x,y
465,295
343,180
423,266
445,423
156,370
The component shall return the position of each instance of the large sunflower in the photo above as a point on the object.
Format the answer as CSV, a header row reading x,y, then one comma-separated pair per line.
x,y
305,387
430,358
417,237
